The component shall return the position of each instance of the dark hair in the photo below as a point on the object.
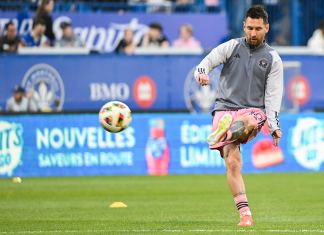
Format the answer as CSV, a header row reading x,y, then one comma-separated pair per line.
x,y
41,9
8,24
156,26
321,24
256,12
18,89
65,25
38,21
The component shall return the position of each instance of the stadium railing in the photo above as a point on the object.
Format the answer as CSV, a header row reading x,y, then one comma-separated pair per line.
x,y
53,51
296,50
99,6
283,50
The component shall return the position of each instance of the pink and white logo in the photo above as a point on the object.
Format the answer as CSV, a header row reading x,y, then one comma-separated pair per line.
x,y
299,90
144,91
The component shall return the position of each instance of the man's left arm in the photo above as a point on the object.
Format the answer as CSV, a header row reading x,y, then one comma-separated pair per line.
x,y
273,97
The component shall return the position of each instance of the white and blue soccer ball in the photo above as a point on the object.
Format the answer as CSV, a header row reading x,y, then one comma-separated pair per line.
x,y
115,116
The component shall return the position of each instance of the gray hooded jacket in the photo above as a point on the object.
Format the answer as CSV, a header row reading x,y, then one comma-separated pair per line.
x,y
250,78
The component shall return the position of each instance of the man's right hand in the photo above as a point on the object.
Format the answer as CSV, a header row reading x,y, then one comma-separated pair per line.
x,y
276,135
203,79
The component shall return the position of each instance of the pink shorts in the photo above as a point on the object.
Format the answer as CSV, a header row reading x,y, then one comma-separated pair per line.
x,y
257,114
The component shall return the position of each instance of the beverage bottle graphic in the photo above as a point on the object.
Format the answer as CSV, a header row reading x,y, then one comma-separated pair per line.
x,y
157,149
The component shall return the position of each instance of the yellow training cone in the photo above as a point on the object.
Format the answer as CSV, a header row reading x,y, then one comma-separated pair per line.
x,y
118,205
16,180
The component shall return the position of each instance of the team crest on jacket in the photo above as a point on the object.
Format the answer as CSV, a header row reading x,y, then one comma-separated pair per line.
x,y
46,86
263,63
200,98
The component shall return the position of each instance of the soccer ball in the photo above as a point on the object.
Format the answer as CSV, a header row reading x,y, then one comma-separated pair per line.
x,y
115,116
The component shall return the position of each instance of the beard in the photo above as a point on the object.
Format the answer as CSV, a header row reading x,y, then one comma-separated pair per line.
x,y
254,42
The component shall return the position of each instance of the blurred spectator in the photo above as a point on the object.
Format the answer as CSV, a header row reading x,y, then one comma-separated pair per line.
x,y
183,5
44,13
10,41
316,42
154,37
235,10
186,40
36,37
280,33
127,44
137,5
212,5
69,39
19,102
158,6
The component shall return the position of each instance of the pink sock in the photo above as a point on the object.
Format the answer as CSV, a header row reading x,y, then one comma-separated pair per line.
x,y
242,204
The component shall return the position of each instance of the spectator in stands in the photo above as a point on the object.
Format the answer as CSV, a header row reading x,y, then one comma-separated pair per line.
x,y
10,41
44,13
158,6
69,39
316,42
36,37
127,44
183,5
212,5
186,39
154,38
19,102
235,14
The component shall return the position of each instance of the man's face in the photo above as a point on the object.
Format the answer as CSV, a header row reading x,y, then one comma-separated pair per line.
x,y
18,96
185,33
68,32
255,30
11,31
128,36
154,33
40,29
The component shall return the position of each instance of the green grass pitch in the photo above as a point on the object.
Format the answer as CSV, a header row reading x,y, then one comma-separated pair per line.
x,y
180,204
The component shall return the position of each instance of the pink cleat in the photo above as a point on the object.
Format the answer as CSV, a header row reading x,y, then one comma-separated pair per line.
x,y
245,221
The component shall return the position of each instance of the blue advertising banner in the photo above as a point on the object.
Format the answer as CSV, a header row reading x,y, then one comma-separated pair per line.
x,y
87,82
103,31
77,82
161,144
306,81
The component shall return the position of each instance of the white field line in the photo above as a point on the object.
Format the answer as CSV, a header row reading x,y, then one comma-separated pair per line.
x,y
299,231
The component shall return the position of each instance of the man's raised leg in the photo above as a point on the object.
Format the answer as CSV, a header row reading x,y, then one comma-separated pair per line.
x,y
242,129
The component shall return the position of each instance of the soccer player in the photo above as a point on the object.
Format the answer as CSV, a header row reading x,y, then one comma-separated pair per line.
x,y
249,93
